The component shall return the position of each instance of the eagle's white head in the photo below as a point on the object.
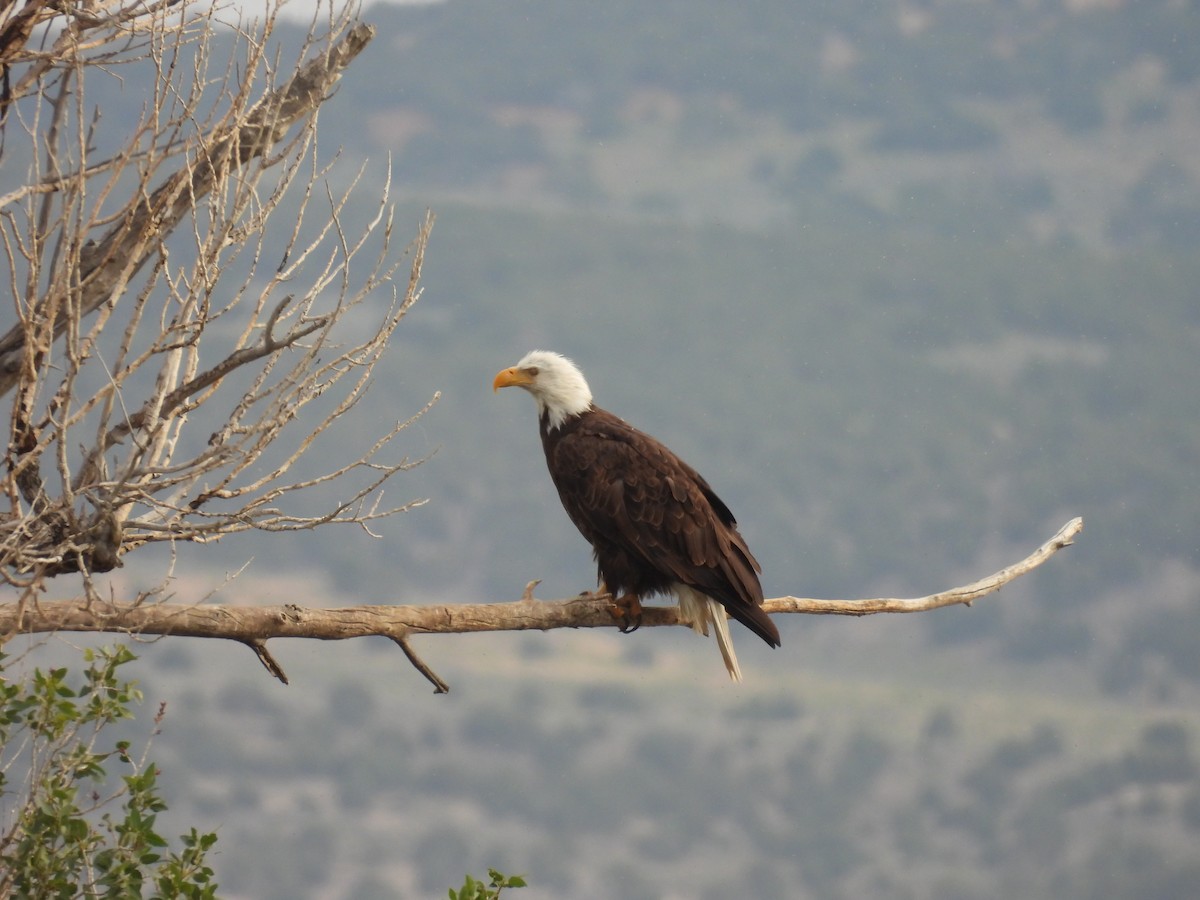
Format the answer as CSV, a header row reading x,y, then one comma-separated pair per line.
x,y
555,382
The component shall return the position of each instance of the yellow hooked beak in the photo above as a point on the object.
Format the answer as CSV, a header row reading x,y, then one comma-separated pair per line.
x,y
511,377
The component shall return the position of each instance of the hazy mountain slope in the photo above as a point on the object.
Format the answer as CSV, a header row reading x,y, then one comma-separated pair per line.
x,y
911,284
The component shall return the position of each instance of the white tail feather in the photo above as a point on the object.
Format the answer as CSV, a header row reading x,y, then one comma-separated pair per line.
x,y
724,641
699,610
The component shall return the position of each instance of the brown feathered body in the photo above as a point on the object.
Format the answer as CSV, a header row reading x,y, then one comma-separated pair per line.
x,y
652,520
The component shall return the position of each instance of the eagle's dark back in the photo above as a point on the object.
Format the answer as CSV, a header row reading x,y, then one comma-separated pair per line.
x,y
651,519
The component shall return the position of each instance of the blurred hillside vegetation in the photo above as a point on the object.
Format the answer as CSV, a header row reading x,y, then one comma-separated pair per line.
x,y
912,283
937,265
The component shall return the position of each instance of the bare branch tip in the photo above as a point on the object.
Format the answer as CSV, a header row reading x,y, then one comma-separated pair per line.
x,y
269,662
439,686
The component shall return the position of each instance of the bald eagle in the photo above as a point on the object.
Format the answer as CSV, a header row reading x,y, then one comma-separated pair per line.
x,y
654,524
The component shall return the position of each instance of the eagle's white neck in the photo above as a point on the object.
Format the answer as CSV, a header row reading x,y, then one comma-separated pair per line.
x,y
559,388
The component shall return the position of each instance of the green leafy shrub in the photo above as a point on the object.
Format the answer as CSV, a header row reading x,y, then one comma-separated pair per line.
x,y
69,828
473,889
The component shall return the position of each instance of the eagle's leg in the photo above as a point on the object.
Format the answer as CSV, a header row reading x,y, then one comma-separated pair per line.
x,y
627,610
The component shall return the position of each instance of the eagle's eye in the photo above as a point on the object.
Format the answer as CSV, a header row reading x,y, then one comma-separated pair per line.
x,y
532,371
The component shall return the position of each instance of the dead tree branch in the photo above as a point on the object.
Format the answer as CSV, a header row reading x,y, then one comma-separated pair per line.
x,y
163,388
253,625
107,266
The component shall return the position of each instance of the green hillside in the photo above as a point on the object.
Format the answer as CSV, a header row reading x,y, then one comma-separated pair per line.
x,y
912,284
572,759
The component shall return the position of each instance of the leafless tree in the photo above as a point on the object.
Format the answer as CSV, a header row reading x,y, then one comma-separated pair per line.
x,y
164,342
170,358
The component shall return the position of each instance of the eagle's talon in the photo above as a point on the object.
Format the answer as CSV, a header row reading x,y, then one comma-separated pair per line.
x,y
627,611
